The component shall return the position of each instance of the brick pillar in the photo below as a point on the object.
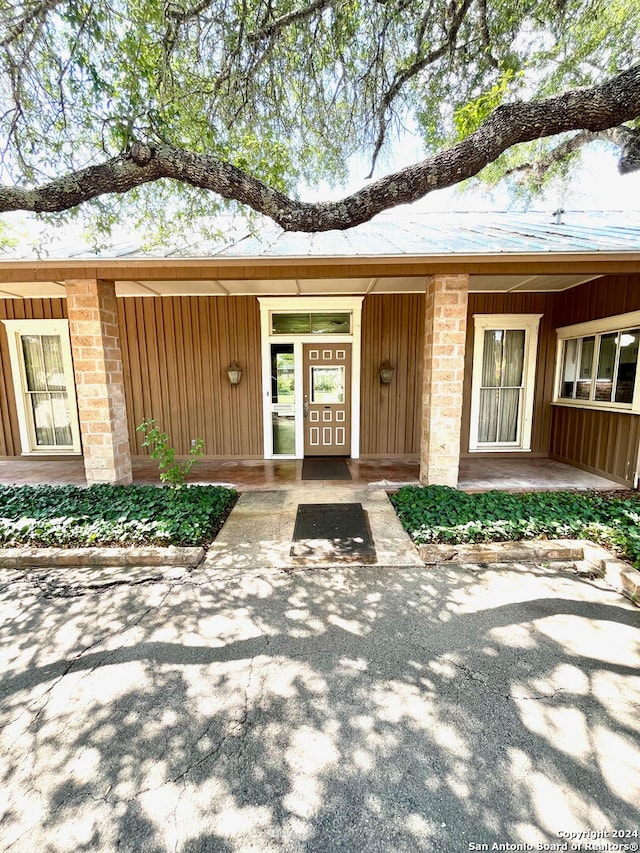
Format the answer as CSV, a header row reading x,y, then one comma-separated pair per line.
x,y
97,365
443,378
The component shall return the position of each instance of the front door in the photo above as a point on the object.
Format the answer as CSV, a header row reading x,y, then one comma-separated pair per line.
x,y
327,399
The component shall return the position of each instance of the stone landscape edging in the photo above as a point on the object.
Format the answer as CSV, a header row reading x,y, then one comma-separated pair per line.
x,y
39,558
589,558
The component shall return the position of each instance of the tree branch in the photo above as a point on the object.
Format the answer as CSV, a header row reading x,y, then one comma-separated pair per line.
x,y
38,12
275,27
625,138
593,109
401,77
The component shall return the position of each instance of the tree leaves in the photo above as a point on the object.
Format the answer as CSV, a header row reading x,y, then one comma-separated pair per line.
x,y
285,90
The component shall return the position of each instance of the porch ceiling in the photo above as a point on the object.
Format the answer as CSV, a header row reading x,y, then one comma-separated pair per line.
x,y
300,286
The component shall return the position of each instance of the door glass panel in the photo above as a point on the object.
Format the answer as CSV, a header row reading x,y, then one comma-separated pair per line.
x,y
46,390
283,413
327,384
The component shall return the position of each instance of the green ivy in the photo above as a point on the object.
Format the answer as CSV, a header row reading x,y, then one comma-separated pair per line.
x,y
443,514
69,516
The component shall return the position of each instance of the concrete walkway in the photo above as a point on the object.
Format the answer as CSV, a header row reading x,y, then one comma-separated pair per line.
x,y
259,531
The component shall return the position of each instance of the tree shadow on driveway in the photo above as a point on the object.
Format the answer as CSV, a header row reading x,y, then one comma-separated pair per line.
x,y
362,709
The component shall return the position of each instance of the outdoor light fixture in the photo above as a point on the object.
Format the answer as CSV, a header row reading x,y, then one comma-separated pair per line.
x,y
386,373
234,372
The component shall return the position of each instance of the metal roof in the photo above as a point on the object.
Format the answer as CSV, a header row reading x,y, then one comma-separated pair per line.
x,y
395,233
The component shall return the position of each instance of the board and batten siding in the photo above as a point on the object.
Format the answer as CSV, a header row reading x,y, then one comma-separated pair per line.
x,y
175,352
393,331
18,309
604,443
516,303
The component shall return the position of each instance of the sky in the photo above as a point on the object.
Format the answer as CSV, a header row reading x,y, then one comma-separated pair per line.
x,y
597,185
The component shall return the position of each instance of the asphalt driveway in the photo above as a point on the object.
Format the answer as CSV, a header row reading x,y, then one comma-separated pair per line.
x,y
364,709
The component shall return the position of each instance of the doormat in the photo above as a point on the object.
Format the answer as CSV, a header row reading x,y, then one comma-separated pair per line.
x,y
333,532
325,468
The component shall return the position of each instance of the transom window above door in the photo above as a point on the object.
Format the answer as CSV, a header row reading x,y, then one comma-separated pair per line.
x,y
504,360
311,323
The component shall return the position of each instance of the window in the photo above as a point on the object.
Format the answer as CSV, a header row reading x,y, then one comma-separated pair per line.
x,y
44,386
598,362
283,399
327,384
504,361
311,323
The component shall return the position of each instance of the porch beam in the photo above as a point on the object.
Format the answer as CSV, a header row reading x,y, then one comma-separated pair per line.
x,y
443,378
97,365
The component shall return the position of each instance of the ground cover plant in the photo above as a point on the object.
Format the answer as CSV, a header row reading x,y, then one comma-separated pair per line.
x,y
69,516
443,514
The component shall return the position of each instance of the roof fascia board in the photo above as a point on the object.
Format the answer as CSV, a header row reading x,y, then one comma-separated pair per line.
x,y
326,267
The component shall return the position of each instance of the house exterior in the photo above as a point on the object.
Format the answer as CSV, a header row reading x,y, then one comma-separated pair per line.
x,y
438,336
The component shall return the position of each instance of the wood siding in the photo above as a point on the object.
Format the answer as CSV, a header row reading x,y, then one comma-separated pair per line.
x,y
605,443
18,309
175,354
602,297
176,351
516,303
393,331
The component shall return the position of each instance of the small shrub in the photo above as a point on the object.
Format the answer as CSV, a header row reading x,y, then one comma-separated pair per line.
x,y
171,472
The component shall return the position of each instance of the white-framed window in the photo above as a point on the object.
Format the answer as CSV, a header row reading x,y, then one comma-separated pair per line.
x,y
597,364
40,353
504,365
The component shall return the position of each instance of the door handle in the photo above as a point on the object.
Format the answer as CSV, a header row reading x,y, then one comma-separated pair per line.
x,y
305,408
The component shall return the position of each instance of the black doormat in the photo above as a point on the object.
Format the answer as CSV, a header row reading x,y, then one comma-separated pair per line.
x,y
333,532
325,468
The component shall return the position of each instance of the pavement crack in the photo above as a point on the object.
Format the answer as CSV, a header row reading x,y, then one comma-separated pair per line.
x,y
43,700
52,588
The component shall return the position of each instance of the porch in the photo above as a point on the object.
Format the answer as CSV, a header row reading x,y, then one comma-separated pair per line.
x,y
476,474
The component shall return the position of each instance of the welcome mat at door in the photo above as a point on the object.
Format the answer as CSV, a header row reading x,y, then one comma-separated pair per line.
x,y
333,533
325,468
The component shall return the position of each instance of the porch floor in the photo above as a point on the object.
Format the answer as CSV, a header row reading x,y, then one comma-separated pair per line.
x,y
257,474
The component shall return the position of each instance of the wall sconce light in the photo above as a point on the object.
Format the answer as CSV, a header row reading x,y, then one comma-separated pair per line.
x,y
234,372
386,373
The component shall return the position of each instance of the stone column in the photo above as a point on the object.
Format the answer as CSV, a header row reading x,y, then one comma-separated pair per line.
x,y
97,365
443,378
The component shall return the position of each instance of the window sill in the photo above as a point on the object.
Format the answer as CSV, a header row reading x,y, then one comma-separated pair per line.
x,y
596,407
499,448
35,454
